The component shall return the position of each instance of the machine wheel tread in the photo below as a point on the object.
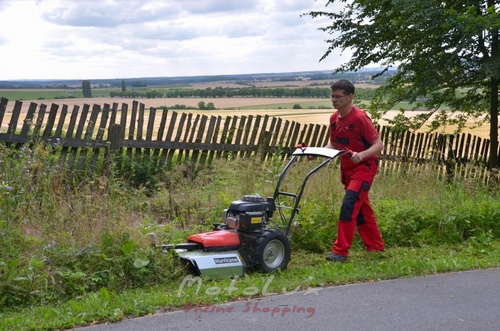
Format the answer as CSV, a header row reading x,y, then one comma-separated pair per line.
x,y
270,252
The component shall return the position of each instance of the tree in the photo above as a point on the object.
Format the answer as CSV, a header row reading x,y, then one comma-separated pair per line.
x,y
446,54
124,88
86,89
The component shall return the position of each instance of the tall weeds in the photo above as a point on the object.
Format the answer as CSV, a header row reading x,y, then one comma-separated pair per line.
x,y
64,234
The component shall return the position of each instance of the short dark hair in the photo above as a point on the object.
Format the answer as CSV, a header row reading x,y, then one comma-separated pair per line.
x,y
343,84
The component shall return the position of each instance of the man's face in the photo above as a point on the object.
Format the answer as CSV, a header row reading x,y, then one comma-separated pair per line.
x,y
340,99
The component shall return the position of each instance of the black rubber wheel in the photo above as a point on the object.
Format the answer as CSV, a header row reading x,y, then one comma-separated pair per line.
x,y
270,252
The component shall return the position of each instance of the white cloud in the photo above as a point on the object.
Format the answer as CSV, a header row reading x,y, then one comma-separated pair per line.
x,y
63,39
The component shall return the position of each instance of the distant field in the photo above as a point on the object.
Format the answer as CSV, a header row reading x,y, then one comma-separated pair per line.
x,y
34,94
75,92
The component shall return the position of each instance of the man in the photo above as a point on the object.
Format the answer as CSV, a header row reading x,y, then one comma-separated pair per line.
x,y
351,129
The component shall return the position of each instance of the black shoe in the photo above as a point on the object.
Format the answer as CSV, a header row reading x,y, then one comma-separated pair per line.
x,y
334,257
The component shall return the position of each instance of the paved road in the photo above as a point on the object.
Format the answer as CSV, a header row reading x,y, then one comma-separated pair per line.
x,y
455,301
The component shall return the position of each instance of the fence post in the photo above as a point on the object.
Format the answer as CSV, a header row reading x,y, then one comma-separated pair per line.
x,y
451,159
450,164
265,139
115,138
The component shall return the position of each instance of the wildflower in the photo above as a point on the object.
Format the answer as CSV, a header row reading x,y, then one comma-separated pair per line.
x,y
50,245
6,186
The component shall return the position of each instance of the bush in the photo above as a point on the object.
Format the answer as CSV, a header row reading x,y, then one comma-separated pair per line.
x,y
316,230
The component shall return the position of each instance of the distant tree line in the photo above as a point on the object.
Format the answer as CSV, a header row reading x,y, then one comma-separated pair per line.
x,y
363,76
245,92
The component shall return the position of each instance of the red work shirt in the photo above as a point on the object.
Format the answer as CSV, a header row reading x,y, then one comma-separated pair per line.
x,y
354,131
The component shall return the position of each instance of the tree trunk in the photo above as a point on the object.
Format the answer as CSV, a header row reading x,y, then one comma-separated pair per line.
x,y
494,124
494,95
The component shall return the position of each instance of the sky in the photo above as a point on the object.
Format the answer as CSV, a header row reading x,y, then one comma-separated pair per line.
x,y
103,39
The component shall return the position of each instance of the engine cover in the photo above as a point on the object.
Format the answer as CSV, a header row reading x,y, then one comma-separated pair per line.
x,y
253,203
250,213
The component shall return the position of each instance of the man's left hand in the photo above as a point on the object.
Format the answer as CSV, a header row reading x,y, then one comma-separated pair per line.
x,y
356,157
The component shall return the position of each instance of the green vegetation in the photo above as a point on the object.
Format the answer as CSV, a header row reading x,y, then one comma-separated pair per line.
x,y
219,92
244,92
445,53
40,95
207,106
76,248
86,89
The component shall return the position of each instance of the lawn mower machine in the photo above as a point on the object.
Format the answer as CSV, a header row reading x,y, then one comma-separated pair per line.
x,y
248,239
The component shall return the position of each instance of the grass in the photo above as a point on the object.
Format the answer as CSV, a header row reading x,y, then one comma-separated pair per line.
x,y
77,249
307,272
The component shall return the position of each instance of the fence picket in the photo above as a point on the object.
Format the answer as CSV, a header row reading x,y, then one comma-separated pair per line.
x,y
308,133
294,140
418,148
133,122
182,152
62,120
157,153
123,119
255,131
39,119
82,121
114,113
28,120
15,115
315,135
229,135
140,122
247,131
96,152
208,139
51,120
239,132
69,134
86,153
284,131
168,154
200,131
215,136
3,107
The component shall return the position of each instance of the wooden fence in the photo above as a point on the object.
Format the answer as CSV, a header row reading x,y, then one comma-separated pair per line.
x,y
94,136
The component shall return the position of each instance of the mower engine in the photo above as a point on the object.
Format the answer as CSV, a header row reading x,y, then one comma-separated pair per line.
x,y
249,214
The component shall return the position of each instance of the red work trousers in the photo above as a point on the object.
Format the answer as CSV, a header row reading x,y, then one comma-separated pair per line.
x,y
356,211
